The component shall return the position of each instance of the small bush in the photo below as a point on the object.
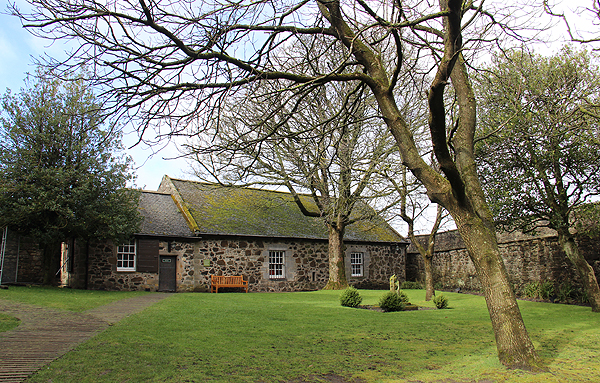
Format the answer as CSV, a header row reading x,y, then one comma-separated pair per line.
x,y
391,301
565,292
532,290
440,301
410,285
350,297
403,296
539,290
546,289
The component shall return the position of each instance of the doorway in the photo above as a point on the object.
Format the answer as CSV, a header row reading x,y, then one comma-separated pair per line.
x,y
167,274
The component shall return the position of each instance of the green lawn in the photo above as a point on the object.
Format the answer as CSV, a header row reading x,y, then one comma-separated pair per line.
x,y
281,337
288,337
65,299
7,322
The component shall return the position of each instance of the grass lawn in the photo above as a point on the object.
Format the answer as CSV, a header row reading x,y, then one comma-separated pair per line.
x,y
64,299
7,322
299,337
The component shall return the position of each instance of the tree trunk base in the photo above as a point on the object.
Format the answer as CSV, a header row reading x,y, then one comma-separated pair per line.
x,y
532,363
585,271
335,286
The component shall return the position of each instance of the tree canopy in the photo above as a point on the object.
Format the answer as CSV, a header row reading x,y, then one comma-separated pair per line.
x,y
540,124
332,149
61,174
539,149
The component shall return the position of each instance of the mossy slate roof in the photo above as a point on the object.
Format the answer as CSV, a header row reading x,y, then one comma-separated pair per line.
x,y
223,210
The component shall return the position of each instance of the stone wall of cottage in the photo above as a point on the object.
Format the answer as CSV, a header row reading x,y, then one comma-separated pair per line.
x,y
527,259
306,265
103,274
383,261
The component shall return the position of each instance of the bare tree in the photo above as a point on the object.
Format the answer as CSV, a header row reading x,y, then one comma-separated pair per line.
x,y
411,207
175,62
578,22
331,148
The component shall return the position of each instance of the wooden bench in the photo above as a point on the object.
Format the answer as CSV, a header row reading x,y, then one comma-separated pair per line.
x,y
217,281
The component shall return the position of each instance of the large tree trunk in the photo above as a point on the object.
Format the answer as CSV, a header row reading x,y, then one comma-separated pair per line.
x,y
515,349
586,272
429,290
337,266
458,190
460,193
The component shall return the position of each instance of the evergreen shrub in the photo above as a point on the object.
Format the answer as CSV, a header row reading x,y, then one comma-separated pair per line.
x,y
403,296
539,290
566,292
531,289
350,297
546,290
391,301
440,301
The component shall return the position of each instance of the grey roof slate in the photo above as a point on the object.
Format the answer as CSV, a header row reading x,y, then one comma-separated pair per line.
x,y
161,216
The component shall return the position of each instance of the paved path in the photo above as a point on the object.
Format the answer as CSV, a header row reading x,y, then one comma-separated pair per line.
x,y
45,334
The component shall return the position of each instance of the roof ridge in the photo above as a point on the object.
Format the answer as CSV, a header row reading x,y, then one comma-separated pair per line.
x,y
153,192
181,204
240,187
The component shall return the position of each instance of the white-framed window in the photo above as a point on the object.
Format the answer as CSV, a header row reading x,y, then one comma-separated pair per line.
x,y
356,263
126,256
276,264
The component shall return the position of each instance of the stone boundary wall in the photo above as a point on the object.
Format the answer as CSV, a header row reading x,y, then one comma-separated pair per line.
x,y
10,261
24,261
527,259
306,264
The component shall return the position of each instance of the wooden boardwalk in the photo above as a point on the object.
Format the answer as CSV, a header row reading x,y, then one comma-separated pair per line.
x,y
45,334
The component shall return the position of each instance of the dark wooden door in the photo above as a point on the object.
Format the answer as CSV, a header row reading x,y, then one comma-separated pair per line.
x,y
167,274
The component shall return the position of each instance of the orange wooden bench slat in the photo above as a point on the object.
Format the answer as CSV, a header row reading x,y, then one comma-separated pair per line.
x,y
217,281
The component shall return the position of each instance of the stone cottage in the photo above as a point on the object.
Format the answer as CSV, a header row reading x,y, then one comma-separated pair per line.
x,y
192,230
